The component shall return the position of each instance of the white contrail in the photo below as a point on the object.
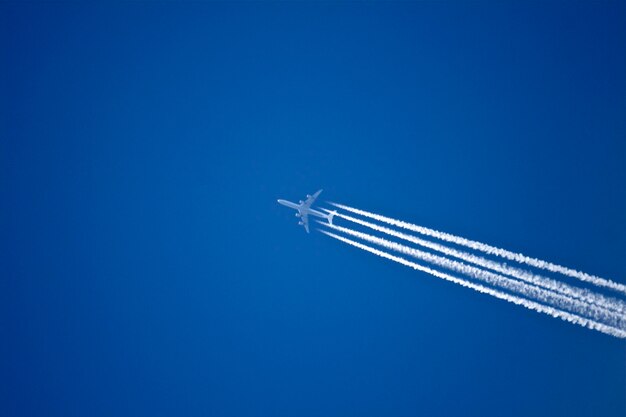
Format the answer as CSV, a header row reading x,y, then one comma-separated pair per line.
x,y
572,318
527,290
491,250
583,294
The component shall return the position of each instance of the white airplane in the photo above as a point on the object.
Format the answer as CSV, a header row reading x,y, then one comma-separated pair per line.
x,y
304,209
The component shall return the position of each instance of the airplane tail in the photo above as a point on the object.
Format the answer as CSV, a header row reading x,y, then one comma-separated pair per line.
x,y
331,214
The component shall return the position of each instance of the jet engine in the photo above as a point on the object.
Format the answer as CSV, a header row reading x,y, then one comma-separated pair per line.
x,y
301,224
298,214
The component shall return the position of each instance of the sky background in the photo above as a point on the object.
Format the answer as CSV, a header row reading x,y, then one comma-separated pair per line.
x,y
147,270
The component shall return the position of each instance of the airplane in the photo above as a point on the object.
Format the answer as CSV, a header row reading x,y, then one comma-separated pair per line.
x,y
304,209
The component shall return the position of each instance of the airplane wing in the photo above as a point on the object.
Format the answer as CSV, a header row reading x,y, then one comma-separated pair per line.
x,y
311,198
304,218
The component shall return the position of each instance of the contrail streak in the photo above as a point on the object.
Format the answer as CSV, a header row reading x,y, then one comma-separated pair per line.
x,y
582,294
491,250
527,290
572,318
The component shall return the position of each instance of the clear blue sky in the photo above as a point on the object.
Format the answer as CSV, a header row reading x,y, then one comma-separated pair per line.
x,y
146,269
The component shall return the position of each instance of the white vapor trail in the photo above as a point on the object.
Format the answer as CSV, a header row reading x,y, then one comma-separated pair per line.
x,y
582,294
532,305
491,250
527,290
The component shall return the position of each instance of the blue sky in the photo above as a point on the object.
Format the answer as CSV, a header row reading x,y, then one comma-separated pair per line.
x,y
148,271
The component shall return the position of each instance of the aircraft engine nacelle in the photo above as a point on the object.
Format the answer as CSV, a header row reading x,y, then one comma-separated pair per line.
x,y
298,214
301,201
308,196
301,224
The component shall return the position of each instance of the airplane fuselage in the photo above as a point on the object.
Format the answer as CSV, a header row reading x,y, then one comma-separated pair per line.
x,y
302,209
289,204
